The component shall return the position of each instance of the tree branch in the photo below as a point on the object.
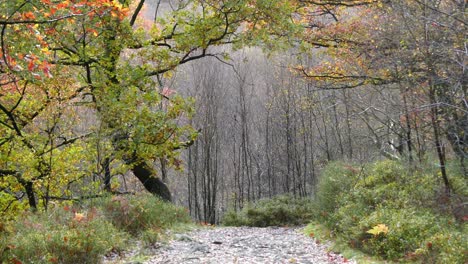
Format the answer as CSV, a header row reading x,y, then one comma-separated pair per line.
x,y
137,11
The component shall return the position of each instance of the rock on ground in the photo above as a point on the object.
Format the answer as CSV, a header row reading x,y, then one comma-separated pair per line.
x,y
249,245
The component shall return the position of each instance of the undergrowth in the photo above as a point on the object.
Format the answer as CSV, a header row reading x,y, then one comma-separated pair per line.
x,y
84,233
279,211
386,210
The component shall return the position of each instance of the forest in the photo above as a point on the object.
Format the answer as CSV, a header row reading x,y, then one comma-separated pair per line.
x,y
352,114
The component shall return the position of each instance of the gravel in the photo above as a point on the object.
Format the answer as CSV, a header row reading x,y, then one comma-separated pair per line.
x,y
250,245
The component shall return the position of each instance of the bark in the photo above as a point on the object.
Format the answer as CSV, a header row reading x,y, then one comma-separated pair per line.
x,y
437,140
107,175
153,184
28,186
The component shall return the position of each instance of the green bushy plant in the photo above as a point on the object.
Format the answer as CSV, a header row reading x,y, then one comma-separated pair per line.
x,y
446,246
62,236
336,179
79,235
392,195
407,229
346,219
136,214
233,218
278,211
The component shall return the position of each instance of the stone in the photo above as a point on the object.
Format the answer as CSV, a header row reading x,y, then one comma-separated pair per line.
x,y
245,245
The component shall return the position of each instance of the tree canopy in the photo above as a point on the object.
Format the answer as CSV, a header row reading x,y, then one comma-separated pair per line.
x,y
82,96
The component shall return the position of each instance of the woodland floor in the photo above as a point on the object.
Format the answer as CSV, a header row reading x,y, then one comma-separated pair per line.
x,y
247,245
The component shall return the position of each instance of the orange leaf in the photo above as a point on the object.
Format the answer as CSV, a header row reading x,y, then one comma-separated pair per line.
x,y
79,217
62,5
29,15
31,65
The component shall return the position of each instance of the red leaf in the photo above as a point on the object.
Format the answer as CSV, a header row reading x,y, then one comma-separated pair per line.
x,y
15,261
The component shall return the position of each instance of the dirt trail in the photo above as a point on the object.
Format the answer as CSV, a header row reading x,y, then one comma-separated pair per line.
x,y
247,245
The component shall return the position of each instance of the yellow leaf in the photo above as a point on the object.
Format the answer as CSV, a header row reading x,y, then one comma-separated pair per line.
x,y
378,229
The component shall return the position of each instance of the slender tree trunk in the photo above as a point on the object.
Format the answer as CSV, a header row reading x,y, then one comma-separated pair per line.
x,y
337,126
107,174
348,125
437,140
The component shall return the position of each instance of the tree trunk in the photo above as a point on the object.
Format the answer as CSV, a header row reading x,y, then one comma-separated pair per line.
x,y
153,184
107,175
28,186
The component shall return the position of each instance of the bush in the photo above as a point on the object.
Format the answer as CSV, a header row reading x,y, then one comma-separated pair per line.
x,y
77,235
346,222
63,236
279,211
445,247
233,218
385,195
137,214
335,180
407,229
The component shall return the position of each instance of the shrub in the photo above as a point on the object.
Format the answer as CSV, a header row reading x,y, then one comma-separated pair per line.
x,y
73,235
137,214
278,211
233,218
345,221
62,236
335,180
446,246
404,201
407,229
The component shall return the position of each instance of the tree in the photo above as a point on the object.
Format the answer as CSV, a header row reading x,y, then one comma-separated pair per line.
x,y
410,46
115,66
40,151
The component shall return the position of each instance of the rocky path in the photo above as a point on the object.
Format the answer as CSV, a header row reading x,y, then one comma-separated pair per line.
x,y
223,245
